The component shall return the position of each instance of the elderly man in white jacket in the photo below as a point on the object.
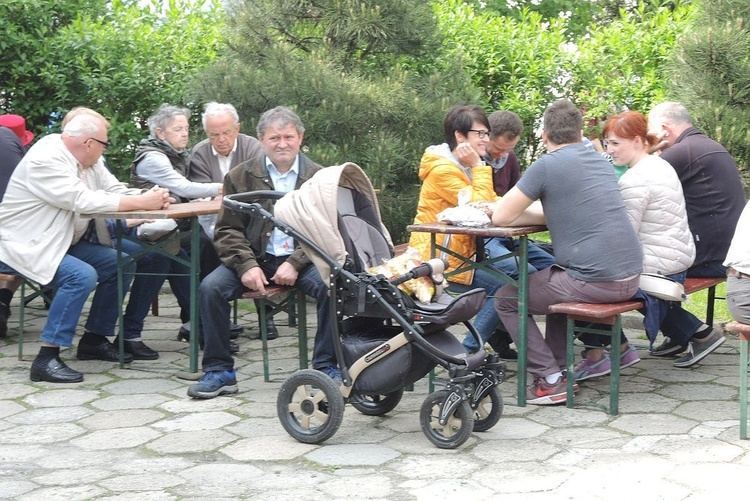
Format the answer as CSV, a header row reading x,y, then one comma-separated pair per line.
x,y
42,238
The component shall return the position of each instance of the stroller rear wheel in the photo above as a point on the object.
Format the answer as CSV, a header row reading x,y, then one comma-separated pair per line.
x,y
376,405
310,406
458,426
488,410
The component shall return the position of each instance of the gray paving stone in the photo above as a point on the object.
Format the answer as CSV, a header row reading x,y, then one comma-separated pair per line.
x,y
61,398
9,408
50,415
143,401
192,441
142,482
105,420
135,386
40,433
196,421
275,448
68,477
13,489
352,455
77,493
116,438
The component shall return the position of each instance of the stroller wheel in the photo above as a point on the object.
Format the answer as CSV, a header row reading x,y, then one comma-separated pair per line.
x,y
488,410
457,428
310,406
375,405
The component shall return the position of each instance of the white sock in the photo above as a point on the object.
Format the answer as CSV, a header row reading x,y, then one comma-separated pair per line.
x,y
553,378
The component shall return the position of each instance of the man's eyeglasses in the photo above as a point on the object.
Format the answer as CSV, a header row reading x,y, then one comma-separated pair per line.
x,y
106,144
481,133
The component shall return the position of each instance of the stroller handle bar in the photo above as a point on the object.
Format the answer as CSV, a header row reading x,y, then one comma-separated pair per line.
x,y
434,266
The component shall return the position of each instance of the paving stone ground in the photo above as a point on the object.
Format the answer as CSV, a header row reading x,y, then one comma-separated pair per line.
x,y
133,434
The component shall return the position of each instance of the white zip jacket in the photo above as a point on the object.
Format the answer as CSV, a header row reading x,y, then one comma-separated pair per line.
x,y
43,203
656,208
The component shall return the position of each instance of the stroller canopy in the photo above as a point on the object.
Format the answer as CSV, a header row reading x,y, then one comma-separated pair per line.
x,y
316,210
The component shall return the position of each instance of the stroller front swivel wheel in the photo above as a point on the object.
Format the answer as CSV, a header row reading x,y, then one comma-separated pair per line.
x,y
376,405
458,426
488,410
310,406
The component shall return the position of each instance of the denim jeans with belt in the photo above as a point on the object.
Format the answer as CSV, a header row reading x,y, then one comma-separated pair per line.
x,y
81,269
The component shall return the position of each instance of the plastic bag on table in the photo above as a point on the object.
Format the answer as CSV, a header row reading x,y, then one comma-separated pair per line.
x,y
464,215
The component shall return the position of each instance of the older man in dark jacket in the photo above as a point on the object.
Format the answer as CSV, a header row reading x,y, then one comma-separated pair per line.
x,y
714,198
255,254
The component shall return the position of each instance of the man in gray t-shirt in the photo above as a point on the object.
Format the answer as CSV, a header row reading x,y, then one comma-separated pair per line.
x,y
598,254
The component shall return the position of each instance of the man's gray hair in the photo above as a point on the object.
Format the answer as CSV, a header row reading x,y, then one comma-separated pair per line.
x,y
214,109
672,112
280,116
164,116
83,124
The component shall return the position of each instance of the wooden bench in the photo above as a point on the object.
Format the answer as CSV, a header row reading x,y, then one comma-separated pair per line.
x,y
698,284
610,314
743,331
594,313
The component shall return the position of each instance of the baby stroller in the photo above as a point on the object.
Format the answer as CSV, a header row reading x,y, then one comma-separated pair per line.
x,y
385,340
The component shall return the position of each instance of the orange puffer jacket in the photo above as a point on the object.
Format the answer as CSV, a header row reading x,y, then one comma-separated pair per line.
x,y
442,178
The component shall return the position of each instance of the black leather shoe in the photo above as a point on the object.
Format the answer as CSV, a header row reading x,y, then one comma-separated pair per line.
x,y
140,351
184,332
271,331
103,351
500,342
54,371
234,347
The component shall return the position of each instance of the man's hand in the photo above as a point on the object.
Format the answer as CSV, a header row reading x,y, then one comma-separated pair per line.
x,y
662,143
255,279
286,274
156,198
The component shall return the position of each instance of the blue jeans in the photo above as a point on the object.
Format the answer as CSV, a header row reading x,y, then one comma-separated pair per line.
x,y
223,285
152,269
80,270
538,258
680,325
486,321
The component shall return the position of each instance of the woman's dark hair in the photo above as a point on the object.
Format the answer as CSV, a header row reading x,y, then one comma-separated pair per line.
x,y
461,119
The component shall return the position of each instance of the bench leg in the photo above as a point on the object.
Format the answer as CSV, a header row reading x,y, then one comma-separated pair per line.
x,y
614,377
710,306
744,347
301,325
570,363
264,336
21,319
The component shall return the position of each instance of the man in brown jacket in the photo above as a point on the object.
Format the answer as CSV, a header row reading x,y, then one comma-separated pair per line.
x,y
254,254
